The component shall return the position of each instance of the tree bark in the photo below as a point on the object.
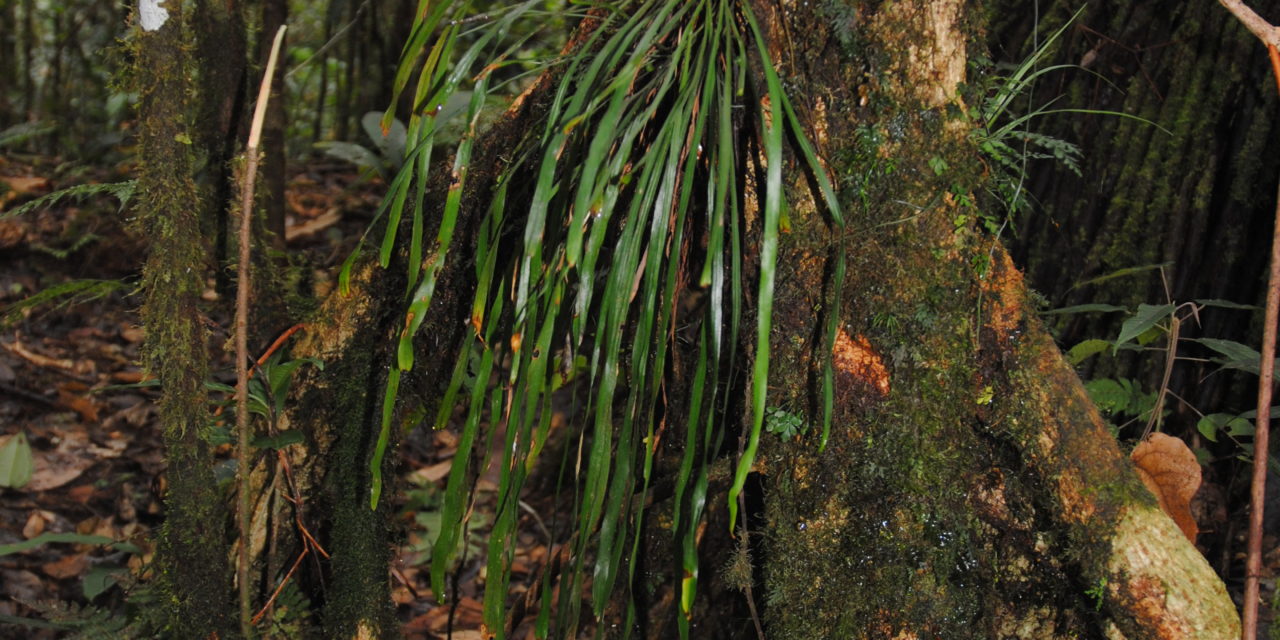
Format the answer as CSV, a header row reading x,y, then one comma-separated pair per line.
x,y
191,554
970,489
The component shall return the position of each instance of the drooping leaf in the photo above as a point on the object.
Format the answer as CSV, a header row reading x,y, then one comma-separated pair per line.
x,y
1235,355
1225,304
72,538
1085,308
1086,348
1120,273
1144,319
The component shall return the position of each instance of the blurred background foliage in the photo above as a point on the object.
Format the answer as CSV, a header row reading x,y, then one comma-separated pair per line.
x,y
60,60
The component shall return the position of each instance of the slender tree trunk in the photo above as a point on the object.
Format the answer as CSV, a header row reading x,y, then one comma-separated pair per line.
x,y
191,553
8,56
220,57
28,45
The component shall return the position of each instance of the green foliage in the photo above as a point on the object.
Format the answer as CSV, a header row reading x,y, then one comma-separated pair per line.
x,y
71,538
633,169
97,580
290,615
1120,397
80,622
387,153
1145,325
1098,593
784,424
121,191
1143,320
23,131
15,462
1232,425
66,294
269,385
1005,137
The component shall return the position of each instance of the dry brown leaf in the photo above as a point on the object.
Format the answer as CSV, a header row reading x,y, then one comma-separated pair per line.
x,y
11,233
34,526
66,566
38,359
313,226
1170,471
24,185
22,585
70,395
74,454
433,473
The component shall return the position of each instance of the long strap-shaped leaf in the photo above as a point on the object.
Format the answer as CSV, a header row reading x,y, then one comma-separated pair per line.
x,y
772,126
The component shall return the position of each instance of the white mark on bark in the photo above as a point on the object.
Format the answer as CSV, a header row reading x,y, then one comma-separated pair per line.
x,y
151,15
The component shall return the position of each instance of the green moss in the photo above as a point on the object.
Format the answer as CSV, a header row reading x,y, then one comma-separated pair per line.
x,y
923,513
191,552
340,414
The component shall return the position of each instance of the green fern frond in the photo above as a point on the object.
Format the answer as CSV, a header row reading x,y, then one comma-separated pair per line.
x,y
63,295
121,191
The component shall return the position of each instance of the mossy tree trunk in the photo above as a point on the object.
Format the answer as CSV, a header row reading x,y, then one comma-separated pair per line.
x,y
192,556
968,489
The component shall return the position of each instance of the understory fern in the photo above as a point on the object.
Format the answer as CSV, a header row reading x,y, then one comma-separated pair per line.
x,y
629,198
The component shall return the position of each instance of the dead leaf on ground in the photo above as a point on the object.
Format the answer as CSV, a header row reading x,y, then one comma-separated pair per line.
x,y
433,473
66,566
11,234
34,526
21,585
1170,471
23,185
38,359
72,396
74,454
313,226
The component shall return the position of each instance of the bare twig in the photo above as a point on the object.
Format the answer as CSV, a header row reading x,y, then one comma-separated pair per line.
x,y
267,607
1261,450
1261,447
1268,33
242,341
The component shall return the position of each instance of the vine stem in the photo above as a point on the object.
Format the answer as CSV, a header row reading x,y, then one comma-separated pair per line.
x,y
1261,450
243,466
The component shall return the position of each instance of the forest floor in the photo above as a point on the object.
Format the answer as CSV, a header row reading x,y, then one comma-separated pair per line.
x,y
71,385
